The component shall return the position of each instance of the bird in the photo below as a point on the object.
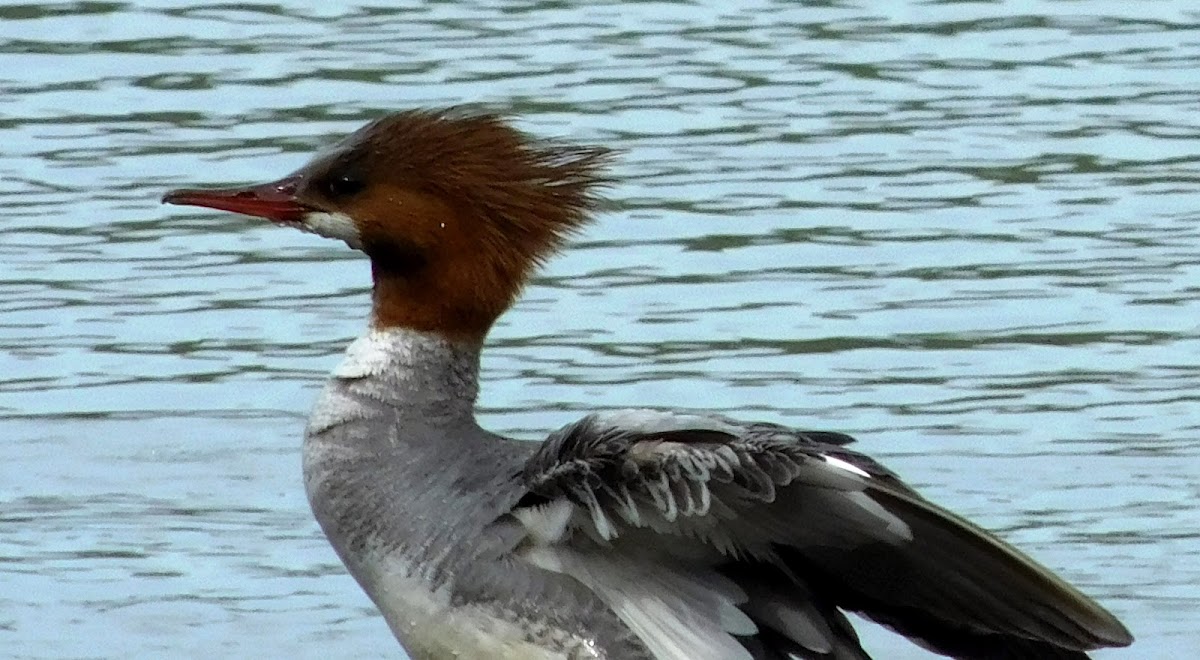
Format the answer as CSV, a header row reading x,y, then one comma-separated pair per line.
x,y
629,534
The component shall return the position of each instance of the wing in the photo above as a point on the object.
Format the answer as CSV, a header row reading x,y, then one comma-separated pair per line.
x,y
715,540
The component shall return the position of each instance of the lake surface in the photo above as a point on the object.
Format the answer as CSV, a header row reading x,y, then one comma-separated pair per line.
x,y
966,232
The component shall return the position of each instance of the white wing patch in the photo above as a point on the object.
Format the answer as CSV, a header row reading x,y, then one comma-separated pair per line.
x,y
839,463
679,613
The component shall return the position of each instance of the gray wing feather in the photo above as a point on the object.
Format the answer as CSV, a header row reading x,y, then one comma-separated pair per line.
x,y
766,505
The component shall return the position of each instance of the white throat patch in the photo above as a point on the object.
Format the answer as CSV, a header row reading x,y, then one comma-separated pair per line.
x,y
332,225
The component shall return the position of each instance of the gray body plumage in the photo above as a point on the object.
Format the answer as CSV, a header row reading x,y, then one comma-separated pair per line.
x,y
413,495
646,535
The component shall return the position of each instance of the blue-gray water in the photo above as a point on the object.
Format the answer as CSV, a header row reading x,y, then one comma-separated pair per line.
x,y
966,232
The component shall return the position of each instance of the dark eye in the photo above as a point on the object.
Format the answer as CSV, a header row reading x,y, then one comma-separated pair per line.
x,y
342,185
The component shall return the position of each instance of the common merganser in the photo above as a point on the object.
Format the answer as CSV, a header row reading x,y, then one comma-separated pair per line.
x,y
629,534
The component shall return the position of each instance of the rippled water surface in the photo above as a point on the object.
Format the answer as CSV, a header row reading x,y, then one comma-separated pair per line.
x,y
966,232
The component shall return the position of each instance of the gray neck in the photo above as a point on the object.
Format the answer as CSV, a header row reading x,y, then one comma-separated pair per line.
x,y
414,373
393,449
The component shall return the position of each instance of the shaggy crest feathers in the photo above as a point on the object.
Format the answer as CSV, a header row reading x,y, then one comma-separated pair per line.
x,y
535,192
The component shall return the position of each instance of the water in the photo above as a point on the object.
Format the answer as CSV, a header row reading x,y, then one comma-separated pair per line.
x,y
965,232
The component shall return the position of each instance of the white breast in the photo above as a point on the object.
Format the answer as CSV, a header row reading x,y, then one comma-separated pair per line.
x,y
430,628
